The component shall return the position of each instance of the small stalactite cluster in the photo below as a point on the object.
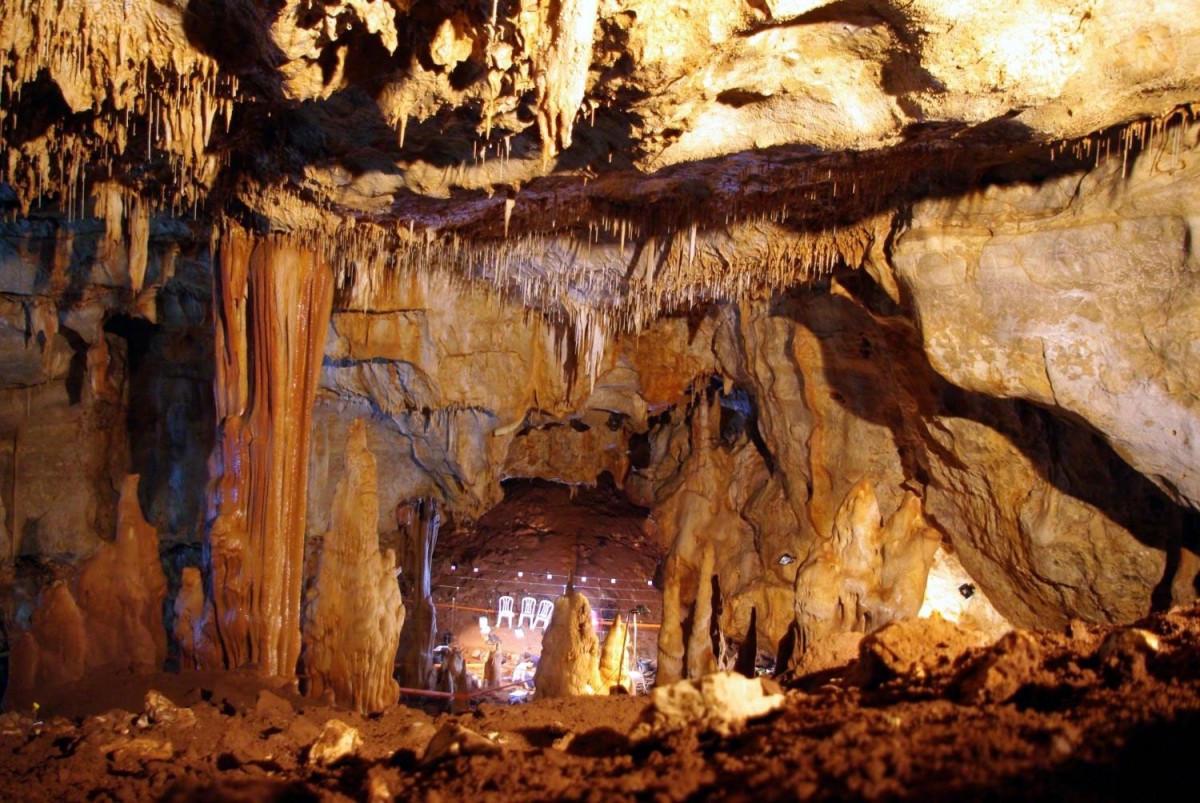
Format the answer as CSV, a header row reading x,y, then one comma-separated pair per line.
x,y
273,304
354,614
141,99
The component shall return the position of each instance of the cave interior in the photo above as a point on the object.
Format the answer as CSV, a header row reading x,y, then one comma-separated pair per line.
x,y
619,399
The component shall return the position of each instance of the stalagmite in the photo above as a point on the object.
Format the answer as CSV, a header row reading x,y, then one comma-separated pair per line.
x,y
615,655
197,641
273,304
419,522
570,663
908,549
109,616
670,636
354,613
700,658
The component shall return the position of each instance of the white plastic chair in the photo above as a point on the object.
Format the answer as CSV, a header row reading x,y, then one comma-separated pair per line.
x,y
527,606
505,611
544,612
484,629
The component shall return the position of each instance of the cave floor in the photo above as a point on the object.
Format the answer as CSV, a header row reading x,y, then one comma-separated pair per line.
x,y
1086,723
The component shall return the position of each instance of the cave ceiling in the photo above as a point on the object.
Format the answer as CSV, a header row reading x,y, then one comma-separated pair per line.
x,y
608,149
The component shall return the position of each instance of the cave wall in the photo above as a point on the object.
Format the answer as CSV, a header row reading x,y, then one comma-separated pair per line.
x,y
98,379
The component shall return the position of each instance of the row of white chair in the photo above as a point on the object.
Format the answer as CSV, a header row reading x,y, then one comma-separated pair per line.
x,y
536,613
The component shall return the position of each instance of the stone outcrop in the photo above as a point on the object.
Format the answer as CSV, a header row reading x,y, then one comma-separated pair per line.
x,y
353,613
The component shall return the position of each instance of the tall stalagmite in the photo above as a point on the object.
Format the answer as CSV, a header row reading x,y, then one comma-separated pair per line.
x,y
570,662
354,613
273,300
419,522
614,656
700,658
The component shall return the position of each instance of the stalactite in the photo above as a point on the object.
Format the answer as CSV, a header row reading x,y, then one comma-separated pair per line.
x,y
273,310
561,68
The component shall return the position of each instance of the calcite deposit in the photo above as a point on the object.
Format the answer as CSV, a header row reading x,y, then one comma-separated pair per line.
x,y
353,614
793,330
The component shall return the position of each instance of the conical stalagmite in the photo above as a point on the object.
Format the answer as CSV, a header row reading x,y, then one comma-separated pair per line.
x,y
614,656
570,661
110,616
354,613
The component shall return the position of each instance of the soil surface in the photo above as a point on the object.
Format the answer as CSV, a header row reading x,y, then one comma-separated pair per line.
x,y
1091,714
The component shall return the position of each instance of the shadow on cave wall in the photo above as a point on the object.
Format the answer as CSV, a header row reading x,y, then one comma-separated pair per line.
x,y
1067,453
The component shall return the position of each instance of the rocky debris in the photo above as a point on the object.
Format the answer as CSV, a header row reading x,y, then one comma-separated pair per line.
x,y
453,740
999,672
1123,653
130,755
159,710
913,650
834,652
720,702
336,741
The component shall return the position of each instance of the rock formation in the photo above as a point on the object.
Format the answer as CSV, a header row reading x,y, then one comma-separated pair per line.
x,y
353,613
570,663
108,616
419,522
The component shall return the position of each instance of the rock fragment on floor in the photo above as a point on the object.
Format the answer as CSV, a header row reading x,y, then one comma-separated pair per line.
x,y
721,702
337,741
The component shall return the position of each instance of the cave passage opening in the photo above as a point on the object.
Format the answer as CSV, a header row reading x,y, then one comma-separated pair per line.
x,y
542,535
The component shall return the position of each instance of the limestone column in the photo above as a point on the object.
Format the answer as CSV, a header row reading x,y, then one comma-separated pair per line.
x,y
272,299
419,521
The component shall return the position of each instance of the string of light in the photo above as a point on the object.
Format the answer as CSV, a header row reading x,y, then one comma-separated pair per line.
x,y
521,574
